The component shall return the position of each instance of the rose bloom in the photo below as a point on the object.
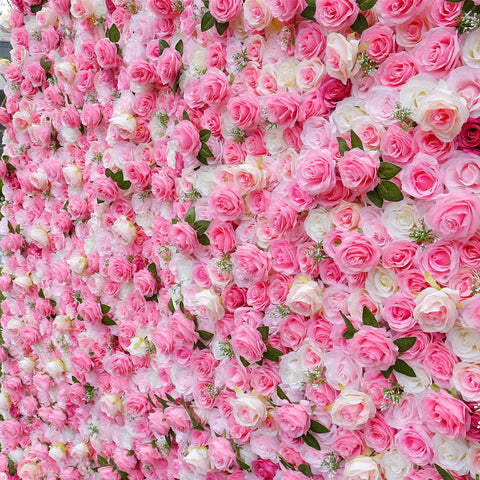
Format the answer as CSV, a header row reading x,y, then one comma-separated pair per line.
x,y
248,410
341,57
436,310
304,297
466,379
225,10
315,171
373,348
293,420
444,414
335,15
247,342
356,253
358,170
352,409
251,265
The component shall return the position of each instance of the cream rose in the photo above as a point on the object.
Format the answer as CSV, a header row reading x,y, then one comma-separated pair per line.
x,y
451,453
352,409
341,57
471,49
248,410
381,283
292,372
125,229
111,404
436,310
209,305
395,465
361,468
347,112
400,219
304,297
417,384
465,343
198,457
317,224
124,124
78,265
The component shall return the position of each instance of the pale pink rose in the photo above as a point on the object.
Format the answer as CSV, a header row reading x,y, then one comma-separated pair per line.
x,y
226,203
462,172
466,379
415,443
257,14
441,260
381,40
352,409
184,237
250,265
177,417
439,362
283,10
436,310
225,10
187,138
373,348
455,216
247,343
466,82
284,256
378,434
120,269
141,73
214,87
315,171
335,15
358,170
163,184
221,453
293,420
444,414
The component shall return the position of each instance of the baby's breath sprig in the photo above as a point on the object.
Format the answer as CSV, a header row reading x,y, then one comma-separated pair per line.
x,y
225,264
241,59
226,349
211,391
392,396
178,6
270,125
402,114
475,288
467,22
132,8
287,36
283,310
422,236
317,376
162,117
331,464
237,134
316,252
192,195
367,63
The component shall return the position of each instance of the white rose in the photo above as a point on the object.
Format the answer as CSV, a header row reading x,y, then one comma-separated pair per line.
x,y
99,8
436,310
70,134
125,229
471,49
466,380
157,127
286,73
204,181
443,112
30,471
416,384
346,111
80,451
58,452
5,402
361,468
65,72
77,265
317,224
197,61
39,237
39,179
341,57
415,90
465,343
111,404
400,219
291,371
21,120
304,297
381,283
55,368
274,141
124,124
395,465
23,282
145,220
27,364
352,409
198,458
139,347
73,175
451,453
208,305
63,323
316,132
473,459
257,14
248,410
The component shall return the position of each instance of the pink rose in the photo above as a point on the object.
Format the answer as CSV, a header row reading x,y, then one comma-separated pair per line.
x,y
398,145
310,41
381,40
187,138
293,420
283,109
373,348
398,312
120,269
455,216
439,361
225,10
250,265
397,69
349,444
221,453
106,53
168,66
141,73
315,171
398,12
462,172
225,203
335,15
422,177
247,343
244,110
378,434
283,10
358,170
415,442
214,87
444,414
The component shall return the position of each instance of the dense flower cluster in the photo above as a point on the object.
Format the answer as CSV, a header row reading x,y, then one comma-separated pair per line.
x,y
241,239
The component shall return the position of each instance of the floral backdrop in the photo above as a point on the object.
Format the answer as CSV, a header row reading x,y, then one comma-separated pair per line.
x,y
241,239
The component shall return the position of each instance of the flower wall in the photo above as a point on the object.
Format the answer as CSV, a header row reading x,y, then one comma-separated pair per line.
x,y
241,240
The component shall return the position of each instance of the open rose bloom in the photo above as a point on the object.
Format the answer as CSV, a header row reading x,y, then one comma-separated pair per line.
x,y
240,239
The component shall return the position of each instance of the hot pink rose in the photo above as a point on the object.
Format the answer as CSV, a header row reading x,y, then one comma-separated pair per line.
x,y
415,442
283,109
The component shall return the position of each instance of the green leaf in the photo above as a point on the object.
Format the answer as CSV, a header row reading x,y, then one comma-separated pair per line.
x,y
389,191
317,427
113,33
281,394
365,5
108,321
207,22
10,227
454,1
201,226
185,115
243,465
403,367
203,240
375,198
202,159
46,65
171,399
287,465
161,401
75,380
264,330
205,151
351,330
41,294
305,469
309,13
342,146
244,362
311,441
179,47
10,167
123,475
445,474
368,318
221,27
360,24
312,3
162,45
151,401
36,8
152,268
388,170
190,216
102,461
386,373
205,335
204,135
171,306
355,140
274,351
105,308
405,343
